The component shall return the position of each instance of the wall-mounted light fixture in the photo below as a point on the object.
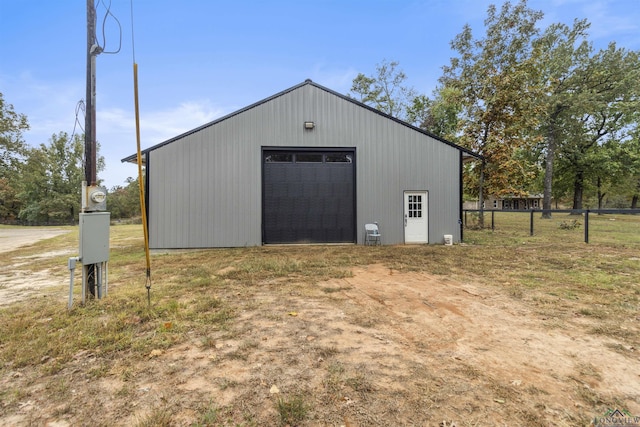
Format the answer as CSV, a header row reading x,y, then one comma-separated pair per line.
x,y
309,125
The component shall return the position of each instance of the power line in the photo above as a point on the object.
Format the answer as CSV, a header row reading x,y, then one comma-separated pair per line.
x,y
104,24
80,106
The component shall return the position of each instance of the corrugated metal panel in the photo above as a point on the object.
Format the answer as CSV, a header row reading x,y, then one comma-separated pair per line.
x,y
206,190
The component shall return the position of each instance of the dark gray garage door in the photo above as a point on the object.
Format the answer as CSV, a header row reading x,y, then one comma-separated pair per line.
x,y
308,196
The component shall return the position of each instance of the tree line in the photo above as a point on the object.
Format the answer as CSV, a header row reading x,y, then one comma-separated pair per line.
x,y
42,184
548,112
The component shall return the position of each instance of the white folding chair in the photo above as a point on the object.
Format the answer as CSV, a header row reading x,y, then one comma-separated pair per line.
x,y
372,235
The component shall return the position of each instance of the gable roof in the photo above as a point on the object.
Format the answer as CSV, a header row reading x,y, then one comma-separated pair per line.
x,y
466,153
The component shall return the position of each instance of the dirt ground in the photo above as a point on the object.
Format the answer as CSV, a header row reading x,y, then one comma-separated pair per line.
x,y
12,238
16,285
378,348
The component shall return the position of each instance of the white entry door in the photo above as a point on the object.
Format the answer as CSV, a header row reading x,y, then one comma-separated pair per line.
x,y
416,216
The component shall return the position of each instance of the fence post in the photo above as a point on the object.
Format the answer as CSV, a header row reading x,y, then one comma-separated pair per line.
x,y
531,223
586,226
493,215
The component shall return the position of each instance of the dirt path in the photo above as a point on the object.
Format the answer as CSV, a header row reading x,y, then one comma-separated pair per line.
x,y
17,284
498,339
13,238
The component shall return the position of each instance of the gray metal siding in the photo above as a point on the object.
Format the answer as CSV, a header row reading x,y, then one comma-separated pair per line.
x,y
205,188
205,194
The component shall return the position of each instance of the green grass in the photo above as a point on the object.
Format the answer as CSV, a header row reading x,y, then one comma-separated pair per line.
x,y
292,410
188,288
513,227
202,293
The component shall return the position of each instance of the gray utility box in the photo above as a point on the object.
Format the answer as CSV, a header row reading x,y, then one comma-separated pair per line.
x,y
94,237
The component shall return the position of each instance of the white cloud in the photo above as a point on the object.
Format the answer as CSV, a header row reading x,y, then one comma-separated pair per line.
x,y
339,80
117,137
116,124
607,26
162,125
51,108
611,20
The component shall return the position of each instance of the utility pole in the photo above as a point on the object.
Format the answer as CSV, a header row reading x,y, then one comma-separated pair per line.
x,y
93,220
90,173
90,158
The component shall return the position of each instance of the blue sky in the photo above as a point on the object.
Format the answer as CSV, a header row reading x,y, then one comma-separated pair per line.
x,y
201,59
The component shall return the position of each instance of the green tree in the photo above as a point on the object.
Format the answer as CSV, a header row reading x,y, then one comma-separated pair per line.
x,y
124,202
52,180
562,50
600,122
12,148
386,91
631,158
438,115
498,84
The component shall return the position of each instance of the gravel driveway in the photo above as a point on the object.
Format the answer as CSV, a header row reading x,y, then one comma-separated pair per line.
x,y
12,238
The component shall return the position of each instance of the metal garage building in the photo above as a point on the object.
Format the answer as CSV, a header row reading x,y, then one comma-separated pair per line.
x,y
307,165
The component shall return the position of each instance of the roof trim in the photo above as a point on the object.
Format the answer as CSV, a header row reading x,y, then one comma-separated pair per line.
x,y
467,154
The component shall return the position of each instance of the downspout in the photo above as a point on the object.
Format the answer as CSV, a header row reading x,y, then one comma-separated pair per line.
x,y
481,195
147,163
460,192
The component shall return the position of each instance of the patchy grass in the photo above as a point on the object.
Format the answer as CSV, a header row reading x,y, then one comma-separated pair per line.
x,y
292,410
211,302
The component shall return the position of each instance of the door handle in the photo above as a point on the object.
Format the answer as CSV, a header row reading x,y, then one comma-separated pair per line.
x,y
405,220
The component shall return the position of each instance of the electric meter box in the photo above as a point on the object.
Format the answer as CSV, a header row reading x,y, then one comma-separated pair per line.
x,y
94,237
94,198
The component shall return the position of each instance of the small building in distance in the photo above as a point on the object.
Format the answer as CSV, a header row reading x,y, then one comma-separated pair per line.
x,y
508,203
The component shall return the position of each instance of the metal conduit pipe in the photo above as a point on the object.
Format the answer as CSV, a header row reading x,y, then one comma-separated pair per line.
x,y
72,266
